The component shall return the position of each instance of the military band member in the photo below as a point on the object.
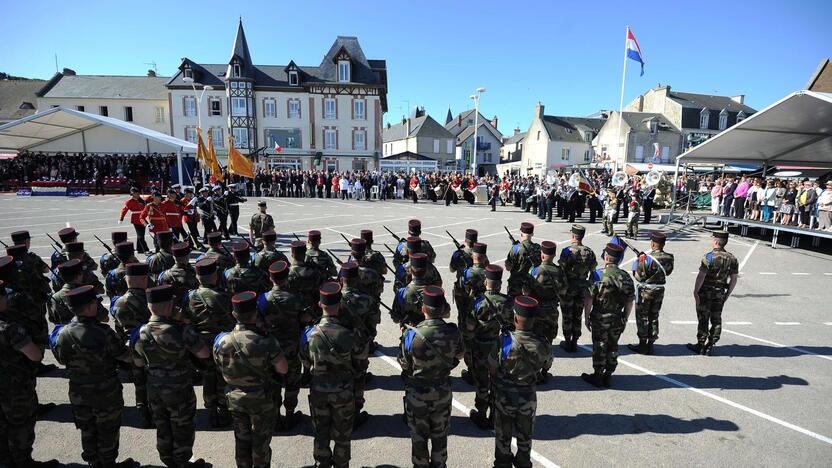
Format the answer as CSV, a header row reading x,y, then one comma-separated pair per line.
x,y
154,218
173,215
314,255
269,254
634,213
109,260
650,272
243,276
610,211
547,284
607,308
260,223
233,200
135,205
523,255
162,259
578,262
359,313
716,281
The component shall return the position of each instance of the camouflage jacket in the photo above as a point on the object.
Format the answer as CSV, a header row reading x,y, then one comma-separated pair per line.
x,y
323,261
327,349
653,268
518,357
547,284
87,261
577,262
89,349
166,345
32,269
522,257
402,254
129,312
429,352
283,312
492,312
246,356
15,367
359,313
160,261
59,311
461,260
108,262
209,311
23,311
263,259
244,278
375,260
89,278
472,281
407,303
224,260
611,288
370,281
305,279
183,279
260,222
404,277
718,266
114,283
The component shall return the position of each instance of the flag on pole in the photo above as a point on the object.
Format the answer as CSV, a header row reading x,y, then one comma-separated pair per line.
x,y
216,171
237,163
201,152
633,50
277,147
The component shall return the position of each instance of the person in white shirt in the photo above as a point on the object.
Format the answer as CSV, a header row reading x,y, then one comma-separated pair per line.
x,y
825,208
357,189
344,186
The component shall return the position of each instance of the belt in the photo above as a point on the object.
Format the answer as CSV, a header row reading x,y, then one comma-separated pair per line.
x,y
649,285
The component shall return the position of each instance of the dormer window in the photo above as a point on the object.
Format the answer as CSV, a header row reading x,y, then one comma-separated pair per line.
x,y
293,78
344,71
654,126
187,72
704,117
236,70
740,116
723,119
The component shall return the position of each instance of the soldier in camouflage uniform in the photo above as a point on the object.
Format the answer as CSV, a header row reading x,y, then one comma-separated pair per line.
x,y
33,269
374,259
314,255
263,259
285,315
247,356
515,363
328,349
75,251
90,350
610,211
130,312
650,272
260,223
407,302
491,313
109,260
402,252
369,280
68,235
182,276
163,258
714,284
523,255
460,261
578,262
218,252
163,346
305,278
472,284
403,275
359,314
607,308
18,398
428,354
114,283
635,212
72,272
243,276
209,313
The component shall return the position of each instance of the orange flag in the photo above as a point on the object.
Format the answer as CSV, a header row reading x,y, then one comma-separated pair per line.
x,y
237,163
201,152
216,171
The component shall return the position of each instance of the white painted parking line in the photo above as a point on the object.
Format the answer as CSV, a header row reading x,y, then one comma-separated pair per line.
x,y
827,323
684,322
797,273
536,456
779,345
737,323
828,274
787,323
768,272
748,255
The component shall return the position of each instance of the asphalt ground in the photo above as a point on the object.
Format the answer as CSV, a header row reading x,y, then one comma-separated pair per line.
x,y
760,400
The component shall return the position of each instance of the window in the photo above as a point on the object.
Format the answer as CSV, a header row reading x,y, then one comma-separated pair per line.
x,y
639,153
435,145
188,73
358,109
236,69
564,154
79,108
344,71
294,109
449,146
588,137
360,137
538,135
190,134
128,113
293,78
240,137
331,166
159,114
233,85
285,137
330,110
723,119
330,139
238,107
704,116
740,116
102,110
216,137
250,107
654,126
587,155
189,106
269,108
214,107
665,154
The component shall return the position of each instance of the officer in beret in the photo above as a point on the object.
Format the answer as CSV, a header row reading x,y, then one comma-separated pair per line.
x,y
314,255
715,282
169,369
429,352
578,262
269,254
162,259
181,276
243,276
523,255
650,272
260,223
359,313
247,356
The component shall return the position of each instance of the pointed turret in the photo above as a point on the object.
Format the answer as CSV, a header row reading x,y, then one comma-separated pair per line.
x,y
449,117
240,56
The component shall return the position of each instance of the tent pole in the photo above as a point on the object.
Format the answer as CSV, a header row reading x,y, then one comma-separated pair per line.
x,y
675,185
179,166
83,142
765,169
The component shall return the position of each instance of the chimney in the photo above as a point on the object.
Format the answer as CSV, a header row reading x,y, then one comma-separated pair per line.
x,y
494,122
459,120
538,110
640,105
740,99
68,72
516,130
151,73
408,127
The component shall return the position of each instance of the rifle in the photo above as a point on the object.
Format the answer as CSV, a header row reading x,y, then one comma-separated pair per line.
x,y
53,240
348,241
638,252
398,239
296,237
511,237
334,257
458,246
103,243
390,250
4,244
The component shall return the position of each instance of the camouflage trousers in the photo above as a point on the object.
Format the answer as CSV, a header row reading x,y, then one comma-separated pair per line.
x,y
428,411
514,410
632,224
97,410
606,330
287,394
139,377
609,227
647,313
362,363
332,416
572,307
174,414
515,284
463,312
253,414
18,406
483,396
709,314
213,383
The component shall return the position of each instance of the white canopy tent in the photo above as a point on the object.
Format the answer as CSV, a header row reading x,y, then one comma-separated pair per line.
x,y
70,130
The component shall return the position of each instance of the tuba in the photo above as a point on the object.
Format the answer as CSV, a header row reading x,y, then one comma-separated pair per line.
x,y
619,179
652,178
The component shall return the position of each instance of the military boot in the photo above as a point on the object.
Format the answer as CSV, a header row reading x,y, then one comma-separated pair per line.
x,y
696,348
596,378
37,464
708,349
573,345
291,419
360,418
194,463
651,349
214,417
607,378
468,377
640,348
223,416
145,418
126,463
478,417
566,344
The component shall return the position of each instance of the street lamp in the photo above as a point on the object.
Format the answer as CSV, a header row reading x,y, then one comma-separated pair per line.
x,y
476,98
198,99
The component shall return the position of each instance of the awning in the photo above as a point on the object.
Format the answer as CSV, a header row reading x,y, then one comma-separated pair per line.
x,y
794,130
64,129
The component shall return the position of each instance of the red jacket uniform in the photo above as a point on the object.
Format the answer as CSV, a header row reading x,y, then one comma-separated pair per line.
x,y
155,215
173,213
135,207
414,182
472,184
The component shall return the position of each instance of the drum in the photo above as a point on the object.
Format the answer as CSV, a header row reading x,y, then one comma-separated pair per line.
x,y
438,190
503,195
418,190
480,194
459,192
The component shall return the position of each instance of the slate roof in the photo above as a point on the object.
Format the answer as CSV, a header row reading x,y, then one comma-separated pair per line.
x,y
408,156
639,121
517,137
700,101
568,128
17,93
463,135
109,87
420,126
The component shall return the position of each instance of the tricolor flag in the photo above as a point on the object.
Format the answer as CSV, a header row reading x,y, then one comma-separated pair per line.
x,y
633,50
277,147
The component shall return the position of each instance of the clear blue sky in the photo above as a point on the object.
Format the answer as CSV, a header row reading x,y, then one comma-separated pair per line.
x,y
567,55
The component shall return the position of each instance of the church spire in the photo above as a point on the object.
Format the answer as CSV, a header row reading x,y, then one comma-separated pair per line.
x,y
449,117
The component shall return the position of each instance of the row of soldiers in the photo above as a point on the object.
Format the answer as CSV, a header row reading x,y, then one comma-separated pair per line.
x,y
170,315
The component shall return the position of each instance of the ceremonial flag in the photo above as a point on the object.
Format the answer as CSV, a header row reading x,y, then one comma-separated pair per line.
x,y
633,50
211,161
201,152
277,147
237,163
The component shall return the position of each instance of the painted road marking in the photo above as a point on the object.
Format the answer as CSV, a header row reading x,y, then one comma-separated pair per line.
x,y
796,273
748,255
465,410
827,323
787,323
737,323
779,345
768,272
684,322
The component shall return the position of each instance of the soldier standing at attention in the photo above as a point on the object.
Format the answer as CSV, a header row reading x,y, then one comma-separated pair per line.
x,y
523,255
407,302
714,284
607,308
403,274
169,369
221,207
321,259
578,262
264,258
460,261
514,365
285,316
547,284
205,208
650,273
109,260
260,223
130,312
181,275
90,350
414,229
135,205
243,276
154,218
218,252
33,265
429,352
305,278
72,275
358,314
114,283
369,282
247,356
233,200
374,258
209,313
163,258
472,283
610,211
327,348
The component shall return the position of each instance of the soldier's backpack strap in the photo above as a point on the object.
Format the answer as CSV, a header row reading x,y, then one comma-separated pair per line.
x,y
244,358
261,303
506,341
409,334
325,337
431,346
134,334
710,258
113,302
53,337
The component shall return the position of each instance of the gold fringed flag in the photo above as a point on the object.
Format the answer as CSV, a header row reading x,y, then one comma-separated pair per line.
x,y
216,171
201,152
237,163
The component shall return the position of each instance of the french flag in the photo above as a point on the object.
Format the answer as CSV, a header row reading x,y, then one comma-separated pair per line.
x,y
277,147
633,50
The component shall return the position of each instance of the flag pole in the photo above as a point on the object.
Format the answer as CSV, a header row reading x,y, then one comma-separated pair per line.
x,y
621,104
